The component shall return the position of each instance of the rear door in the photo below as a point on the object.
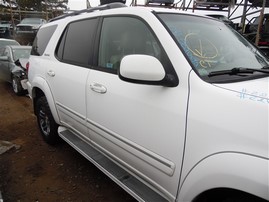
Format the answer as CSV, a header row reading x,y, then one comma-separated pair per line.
x,y
139,126
67,73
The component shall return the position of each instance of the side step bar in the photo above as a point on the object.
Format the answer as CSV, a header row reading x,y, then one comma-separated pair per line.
x,y
124,179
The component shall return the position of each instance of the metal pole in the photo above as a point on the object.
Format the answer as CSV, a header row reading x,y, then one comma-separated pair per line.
x,y
260,23
243,19
11,15
46,10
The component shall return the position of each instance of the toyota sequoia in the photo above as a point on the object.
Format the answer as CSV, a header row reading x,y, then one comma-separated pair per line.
x,y
172,106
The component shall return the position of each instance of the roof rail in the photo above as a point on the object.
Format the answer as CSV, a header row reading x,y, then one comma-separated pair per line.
x,y
98,8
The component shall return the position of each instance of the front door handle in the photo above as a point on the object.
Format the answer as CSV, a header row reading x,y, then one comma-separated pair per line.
x,y
98,88
51,73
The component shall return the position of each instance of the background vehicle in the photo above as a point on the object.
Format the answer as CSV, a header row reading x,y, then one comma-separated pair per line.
x,y
222,18
213,3
6,29
26,30
165,2
5,42
172,106
252,28
103,2
13,61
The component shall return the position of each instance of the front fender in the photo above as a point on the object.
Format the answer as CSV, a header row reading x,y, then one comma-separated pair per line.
x,y
233,170
40,84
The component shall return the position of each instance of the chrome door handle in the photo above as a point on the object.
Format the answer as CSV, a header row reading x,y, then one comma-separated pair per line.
x,y
98,88
51,73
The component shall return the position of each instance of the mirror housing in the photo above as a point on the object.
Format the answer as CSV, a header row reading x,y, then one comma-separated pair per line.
x,y
144,69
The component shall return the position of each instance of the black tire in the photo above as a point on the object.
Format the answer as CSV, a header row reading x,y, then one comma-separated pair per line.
x,y
16,86
46,123
228,195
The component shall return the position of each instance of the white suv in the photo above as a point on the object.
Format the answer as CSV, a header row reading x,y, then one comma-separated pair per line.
x,y
171,106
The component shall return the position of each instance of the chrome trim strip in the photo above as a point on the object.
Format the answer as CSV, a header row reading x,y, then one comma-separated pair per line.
x,y
166,163
70,111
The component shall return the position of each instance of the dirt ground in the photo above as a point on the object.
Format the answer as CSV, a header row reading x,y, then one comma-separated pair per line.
x,y
34,171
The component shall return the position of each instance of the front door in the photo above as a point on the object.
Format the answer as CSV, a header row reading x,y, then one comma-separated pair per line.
x,y
139,126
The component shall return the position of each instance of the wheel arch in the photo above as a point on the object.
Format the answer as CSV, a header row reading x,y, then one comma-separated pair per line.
x,y
239,172
226,194
41,88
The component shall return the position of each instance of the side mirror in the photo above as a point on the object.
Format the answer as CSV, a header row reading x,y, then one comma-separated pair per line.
x,y
143,69
4,58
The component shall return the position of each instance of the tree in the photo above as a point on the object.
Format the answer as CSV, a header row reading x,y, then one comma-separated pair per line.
x,y
39,5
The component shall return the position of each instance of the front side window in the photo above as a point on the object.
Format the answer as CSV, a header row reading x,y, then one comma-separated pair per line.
x,y
121,36
216,52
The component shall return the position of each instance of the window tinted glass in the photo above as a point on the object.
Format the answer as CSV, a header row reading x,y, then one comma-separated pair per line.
x,y
76,43
41,40
60,48
122,36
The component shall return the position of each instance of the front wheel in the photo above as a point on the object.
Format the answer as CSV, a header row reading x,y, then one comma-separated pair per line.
x,y
47,125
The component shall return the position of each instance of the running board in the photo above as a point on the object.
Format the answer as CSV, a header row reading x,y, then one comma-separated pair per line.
x,y
129,183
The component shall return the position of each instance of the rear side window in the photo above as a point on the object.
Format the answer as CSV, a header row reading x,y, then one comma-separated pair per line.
x,y
42,39
76,43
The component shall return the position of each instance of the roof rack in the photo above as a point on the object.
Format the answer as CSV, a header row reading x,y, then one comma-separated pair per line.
x,y
98,8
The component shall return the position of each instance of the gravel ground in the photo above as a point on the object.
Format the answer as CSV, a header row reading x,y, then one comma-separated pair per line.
x,y
32,171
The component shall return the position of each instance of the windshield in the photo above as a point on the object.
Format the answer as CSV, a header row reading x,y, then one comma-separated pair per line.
x,y
211,46
8,42
31,21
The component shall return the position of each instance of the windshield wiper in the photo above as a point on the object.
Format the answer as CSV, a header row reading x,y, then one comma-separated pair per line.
x,y
239,70
265,67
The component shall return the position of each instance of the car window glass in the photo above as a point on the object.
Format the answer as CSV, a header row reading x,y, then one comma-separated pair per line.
x,y
6,52
121,36
2,51
20,53
76,43
41,40
60,47
8,42
266,26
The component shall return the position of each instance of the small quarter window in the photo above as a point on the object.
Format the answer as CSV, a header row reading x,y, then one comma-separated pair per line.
x,y
41,40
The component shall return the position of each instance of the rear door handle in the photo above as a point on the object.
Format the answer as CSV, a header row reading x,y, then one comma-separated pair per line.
x,y
98,88
51,73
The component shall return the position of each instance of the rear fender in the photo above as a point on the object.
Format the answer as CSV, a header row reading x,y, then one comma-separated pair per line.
x,y
39,84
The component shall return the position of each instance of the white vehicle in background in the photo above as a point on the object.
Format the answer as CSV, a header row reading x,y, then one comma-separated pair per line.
x,y
6,42
171,106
